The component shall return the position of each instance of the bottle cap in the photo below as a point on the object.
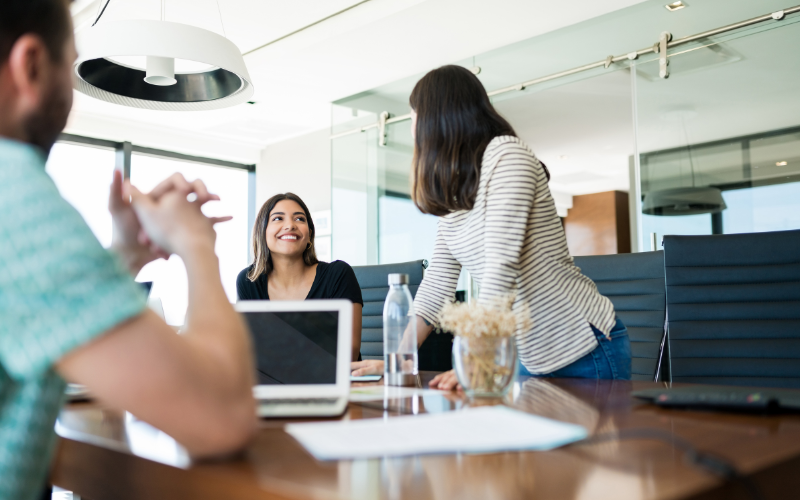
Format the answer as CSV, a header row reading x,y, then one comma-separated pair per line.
x,y
398,279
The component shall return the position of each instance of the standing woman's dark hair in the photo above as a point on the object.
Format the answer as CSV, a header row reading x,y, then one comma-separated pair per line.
x,y
455,123
263,260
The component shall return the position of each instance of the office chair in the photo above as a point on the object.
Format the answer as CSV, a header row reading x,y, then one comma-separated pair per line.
x,y
635,284
734,308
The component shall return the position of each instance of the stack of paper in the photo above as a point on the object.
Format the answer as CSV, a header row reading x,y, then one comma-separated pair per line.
x,y
480,430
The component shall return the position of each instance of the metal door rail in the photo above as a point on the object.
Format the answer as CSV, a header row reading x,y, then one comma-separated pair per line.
x,y
664,39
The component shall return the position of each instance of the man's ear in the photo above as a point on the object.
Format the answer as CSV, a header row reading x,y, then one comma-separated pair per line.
x,y
30,66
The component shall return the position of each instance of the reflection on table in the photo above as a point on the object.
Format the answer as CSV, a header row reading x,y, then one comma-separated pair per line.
x,y
108,454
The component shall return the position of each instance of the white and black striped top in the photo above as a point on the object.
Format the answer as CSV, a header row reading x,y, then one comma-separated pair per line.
x,y
512,241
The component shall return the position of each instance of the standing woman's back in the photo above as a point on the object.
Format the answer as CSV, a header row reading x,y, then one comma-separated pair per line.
x,y
512,241
498,220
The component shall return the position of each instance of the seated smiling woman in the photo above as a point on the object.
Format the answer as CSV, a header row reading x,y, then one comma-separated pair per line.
x,y
286,266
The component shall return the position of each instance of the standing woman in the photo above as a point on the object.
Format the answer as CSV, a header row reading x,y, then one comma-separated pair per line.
x,y
498,220
286,266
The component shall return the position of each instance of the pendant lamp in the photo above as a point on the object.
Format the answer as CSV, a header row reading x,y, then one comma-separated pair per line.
x,y
223,82
692,200
684,201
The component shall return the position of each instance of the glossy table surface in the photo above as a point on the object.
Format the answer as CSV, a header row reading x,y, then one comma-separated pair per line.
x,y
105,454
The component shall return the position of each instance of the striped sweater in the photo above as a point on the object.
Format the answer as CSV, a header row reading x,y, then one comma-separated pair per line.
x,y
512,241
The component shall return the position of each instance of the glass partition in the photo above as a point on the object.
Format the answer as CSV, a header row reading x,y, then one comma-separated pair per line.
x,y
719,140
354,195
404,233
374,219
713,149
581,127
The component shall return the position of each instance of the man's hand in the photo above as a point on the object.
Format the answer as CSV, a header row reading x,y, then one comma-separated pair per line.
x,y
129,240
169,221
125,241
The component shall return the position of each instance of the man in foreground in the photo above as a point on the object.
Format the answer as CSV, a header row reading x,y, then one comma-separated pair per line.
x,y
70,310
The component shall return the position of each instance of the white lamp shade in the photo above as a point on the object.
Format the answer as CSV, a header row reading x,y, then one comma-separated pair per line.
x,y
225,84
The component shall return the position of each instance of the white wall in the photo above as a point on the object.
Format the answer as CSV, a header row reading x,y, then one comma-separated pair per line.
x,y
301,165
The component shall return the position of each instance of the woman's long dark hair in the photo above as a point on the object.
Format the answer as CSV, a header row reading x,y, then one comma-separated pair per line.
x,y
262,263
455,123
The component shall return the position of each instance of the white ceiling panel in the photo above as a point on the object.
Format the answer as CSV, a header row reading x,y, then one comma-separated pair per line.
x,y
297,77
250,24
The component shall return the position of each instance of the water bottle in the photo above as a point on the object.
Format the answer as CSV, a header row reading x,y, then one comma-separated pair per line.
x,y
399,334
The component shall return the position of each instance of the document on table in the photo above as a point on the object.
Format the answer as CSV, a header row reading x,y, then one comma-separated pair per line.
x,y
381,392
479,430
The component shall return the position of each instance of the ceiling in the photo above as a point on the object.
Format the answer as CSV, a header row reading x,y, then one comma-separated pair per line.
x,y
583,131
298,72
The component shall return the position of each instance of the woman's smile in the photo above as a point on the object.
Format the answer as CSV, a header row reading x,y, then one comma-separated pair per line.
x,y
289,237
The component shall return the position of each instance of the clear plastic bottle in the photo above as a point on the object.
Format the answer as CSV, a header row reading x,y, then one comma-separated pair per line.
x,y
399,334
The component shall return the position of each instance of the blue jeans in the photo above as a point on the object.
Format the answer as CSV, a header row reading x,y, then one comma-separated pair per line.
x,y
611,359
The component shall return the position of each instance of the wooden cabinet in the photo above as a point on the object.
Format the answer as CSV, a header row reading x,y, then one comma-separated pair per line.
x,y
598,224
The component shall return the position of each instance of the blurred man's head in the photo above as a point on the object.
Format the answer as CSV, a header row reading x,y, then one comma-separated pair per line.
x,y
37,51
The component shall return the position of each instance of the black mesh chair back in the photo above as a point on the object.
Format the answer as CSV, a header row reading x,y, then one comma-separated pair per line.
x,y
635,284
734,308
374,282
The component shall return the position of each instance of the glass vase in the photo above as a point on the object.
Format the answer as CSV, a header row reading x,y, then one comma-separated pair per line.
x,y
486,367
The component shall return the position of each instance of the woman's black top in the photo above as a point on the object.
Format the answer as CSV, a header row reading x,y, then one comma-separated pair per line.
x,y
332,281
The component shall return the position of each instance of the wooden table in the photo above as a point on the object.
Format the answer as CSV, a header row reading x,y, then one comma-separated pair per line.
x,y
103,456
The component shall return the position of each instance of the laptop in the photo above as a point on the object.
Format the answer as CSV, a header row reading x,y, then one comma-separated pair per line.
x,y
302,355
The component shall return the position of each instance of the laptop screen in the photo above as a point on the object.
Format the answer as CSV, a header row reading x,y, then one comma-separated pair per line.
x,y
294,347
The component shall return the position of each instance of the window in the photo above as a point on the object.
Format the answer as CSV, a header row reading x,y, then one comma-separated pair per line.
x,y
684,224
762,208
405,234
169,277
83,176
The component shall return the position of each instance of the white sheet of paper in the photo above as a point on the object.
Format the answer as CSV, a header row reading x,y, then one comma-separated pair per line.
x,y
381,392
478,430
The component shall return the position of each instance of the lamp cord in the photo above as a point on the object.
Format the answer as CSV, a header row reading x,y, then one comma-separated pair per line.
x,y
710,463
221,21
219,11
101,12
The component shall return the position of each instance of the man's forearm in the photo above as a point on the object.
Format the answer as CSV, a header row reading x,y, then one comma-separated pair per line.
x,y
211,321
133,261
207,300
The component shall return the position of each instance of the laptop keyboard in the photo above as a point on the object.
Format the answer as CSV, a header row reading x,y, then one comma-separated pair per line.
x,y
298,401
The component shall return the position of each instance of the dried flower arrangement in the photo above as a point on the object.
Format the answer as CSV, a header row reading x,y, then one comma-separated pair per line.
x,y
486,343
479,320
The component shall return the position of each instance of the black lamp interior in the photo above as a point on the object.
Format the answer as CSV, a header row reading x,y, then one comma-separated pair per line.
x,y
129,82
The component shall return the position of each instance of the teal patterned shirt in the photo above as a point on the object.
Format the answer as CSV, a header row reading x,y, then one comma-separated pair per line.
x,y
59,289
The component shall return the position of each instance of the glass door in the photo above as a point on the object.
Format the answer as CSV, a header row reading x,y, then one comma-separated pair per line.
x,y
719,140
